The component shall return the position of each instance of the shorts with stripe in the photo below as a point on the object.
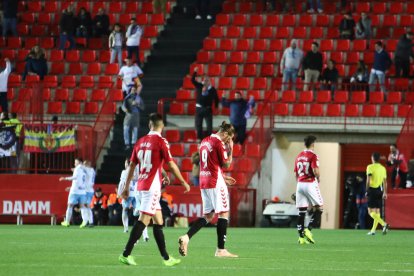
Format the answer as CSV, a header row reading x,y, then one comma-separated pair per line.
x,y
216,199
308,194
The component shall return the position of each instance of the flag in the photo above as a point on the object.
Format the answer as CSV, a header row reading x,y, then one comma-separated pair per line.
x,y
8,141
49,138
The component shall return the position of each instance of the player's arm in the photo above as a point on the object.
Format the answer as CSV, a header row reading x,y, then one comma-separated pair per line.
x,y
227,163
165,178
70,178
316,173
174,169
131,169
384,183
368,181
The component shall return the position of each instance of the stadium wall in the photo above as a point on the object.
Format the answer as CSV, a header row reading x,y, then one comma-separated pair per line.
x,y
284,183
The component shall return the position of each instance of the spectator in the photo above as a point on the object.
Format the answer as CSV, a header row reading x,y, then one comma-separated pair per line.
x,y
238,109
347,27
359,79
160,6
133,35
133,106
206,94
364,27
330,76
114,209
10,17
128,73
312,65
4,77
67,28
100,23
290,64
203,9
166,203
84,23
382,62
403,55
315,5
99,207
116,39
359,187
195,172
36,63
398,163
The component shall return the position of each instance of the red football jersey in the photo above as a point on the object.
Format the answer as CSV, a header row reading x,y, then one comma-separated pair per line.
x,y
305,162
149,154
213,155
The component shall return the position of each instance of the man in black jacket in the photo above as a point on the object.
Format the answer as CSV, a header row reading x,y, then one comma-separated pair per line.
x,y
312,65
403,54
101,23
10,17
206,95
67,28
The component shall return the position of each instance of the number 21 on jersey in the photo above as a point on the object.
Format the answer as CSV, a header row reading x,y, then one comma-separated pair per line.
x,y
303,168
144,157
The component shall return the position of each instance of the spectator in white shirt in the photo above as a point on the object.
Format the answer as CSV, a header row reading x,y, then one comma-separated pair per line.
x,y
116,39
133,35
4,76
290,64
128,73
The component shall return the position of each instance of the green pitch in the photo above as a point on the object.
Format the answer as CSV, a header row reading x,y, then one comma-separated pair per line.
x,y
55,250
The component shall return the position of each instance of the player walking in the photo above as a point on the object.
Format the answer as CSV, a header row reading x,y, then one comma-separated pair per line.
x,y
308,195
90,182
216,153
77,193
149,154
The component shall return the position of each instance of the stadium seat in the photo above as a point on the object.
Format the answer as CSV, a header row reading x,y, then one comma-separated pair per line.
x,y
116,95
225,83
210,44
343,45
341,96
193,148
177,108
203,57
256,20
243,83
266,33
68,82
386,110
50,6
18,107
88,56
79,95
96,44
39,30
91,108
299,110
172,135
306,97
105,82
267,70
260,45
389,20
216,32
115,7
269,57
405,21
112,69
56,55
306,20
316,33
156,19
243,45
322,20
333,110
233,32
8,53
351,110
369,110
11,92
189,136
86,82
30,42
316,110
61,94
14,80
281,109
22,29
186,164
300,32
22,54
75,69
260,84
223,19
403,110
379,8
401,84
252,150
232,70
25,94
98,95
376,97
73,108
54,107
250,70
323,96
94,69
214,70
394,97
177,149
46,94
282,33
47,42
28,18
362,7
326,45
72,56
50,81
276,45
358,97
288,96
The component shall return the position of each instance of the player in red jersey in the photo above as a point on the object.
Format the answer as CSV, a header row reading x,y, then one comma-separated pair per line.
x,y
215,154
308,195
149,154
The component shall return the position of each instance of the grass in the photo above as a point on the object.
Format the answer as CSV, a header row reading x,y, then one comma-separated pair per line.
x,y
54,250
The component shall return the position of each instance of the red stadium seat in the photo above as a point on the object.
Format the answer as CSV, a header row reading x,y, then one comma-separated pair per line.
x,y
342,45
86,82
326,45
306,20
223,19
316,33
177,149
203,57
386,110
79,95
46,94
358,97
189,136
214,70
266,32
72,56
351,110
394,97
23,29
259,45
73,108
260,84
281,109
232,70
243,83
19,107
323,96
233,32
256,20
105,82
333,110
210,44
91,108
216,32
68,81
156,19
112,69
61,94
172,135
341,96
25,94
39,30
403,110
379,8
376,97
50,81
94,69
75,69
289,96
272,20
288,20
269,57
34,6
322,20
389,20
116,95
177,108
14,42
47,42
50,6
54,108
186,164
10,54
299,110
369,110
225,83
252,150
362,7
300,32
88,56
276,45
56,55
267,70
98,95
282,33
306,97
243,45
316,110
250,70
28,18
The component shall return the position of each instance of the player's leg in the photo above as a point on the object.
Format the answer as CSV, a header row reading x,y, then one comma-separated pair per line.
x,y
89,197
160,239
302,205
84,210
125,208
374,203
136,214
208,211
68,217
222,224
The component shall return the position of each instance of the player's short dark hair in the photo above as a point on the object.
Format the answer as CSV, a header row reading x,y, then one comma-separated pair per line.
x,y
315,43
394,145
376,156
226,127
379,43
155,119
309,140
79,159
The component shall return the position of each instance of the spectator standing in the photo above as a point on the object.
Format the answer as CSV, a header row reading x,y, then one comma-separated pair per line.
x,y
134,105
203,9
403,55
238,108
4,77
364,27
382,62
128,73
347,27
133,35
290,64
99,207
35,63
114,209
312,65
84,23
116,39
315,5
206,94
67,28
330,76
359,79
195,172
101,23
398,163
361,201
10,17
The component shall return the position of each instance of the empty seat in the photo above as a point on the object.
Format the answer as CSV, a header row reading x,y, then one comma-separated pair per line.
x,y
243,45
250,70
177,108
243,83
68,81
352,110
88,56
333,110
91,108
116,95
214,70
98,95
54,108
376,97
394,97
72,56
225,83
105,82
369,110
299,110
403,110
358,97
232,70
79,95
75,69
177,149
172,135
281,109
94,69
86,82
289,96
386,110
267,70
323,96
73,108
25,94
306,96
50,81
189,136
260,84
112,69
61,94
56,55
316,110
341,96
